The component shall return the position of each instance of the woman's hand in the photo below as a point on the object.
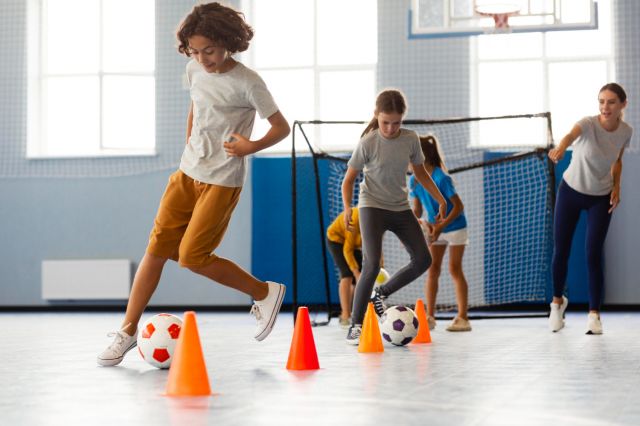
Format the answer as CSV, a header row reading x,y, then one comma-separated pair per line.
x,y
556,154
615,198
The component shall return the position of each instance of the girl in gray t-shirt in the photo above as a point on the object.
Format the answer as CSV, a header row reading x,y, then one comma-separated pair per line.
x,y
383,154
591,183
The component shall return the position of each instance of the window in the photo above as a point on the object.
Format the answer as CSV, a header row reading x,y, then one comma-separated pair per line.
x,y
91,80
311,67
556,71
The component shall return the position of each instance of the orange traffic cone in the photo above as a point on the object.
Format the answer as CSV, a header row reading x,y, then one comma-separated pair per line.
x,y
370,338
303,355
424,335
188,372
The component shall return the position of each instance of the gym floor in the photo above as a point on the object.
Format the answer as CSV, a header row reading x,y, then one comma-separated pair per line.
x,y
504,372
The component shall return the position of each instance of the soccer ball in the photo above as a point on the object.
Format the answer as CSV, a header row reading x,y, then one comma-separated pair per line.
x,y
399,325
382,278
157,339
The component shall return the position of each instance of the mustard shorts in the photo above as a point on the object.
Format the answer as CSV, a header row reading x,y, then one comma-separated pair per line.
x,y
191,220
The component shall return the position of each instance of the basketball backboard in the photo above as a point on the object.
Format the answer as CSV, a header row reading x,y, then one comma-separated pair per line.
x,y
459,18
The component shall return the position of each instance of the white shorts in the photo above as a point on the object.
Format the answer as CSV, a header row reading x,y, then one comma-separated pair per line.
x,y
459,237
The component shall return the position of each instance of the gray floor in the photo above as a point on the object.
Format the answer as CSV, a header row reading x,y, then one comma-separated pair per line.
x,y
505,372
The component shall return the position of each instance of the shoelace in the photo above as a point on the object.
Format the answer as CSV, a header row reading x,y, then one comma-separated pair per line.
x,y
119,335
378,304
255,311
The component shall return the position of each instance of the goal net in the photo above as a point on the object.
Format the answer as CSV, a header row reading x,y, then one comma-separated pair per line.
x,y
503,176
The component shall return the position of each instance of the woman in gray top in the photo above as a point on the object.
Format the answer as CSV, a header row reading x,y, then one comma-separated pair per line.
x,y
383,155
590,183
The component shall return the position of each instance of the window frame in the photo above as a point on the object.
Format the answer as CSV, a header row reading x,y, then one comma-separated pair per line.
x,y
37,147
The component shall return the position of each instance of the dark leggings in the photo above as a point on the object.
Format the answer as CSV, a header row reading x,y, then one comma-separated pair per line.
x,y
373,224
569,204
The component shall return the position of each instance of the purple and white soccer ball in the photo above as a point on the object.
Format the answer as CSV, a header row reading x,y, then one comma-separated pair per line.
x,y
399,325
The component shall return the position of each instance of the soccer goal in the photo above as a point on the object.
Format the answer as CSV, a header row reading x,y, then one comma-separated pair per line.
x,y
503,176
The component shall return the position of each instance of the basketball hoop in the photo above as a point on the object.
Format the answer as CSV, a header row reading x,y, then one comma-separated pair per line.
x,y
500,12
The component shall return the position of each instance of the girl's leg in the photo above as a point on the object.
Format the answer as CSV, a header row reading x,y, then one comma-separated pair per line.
x,y
372,228
144,284
566,218
433,274
598,219
462,289
405,225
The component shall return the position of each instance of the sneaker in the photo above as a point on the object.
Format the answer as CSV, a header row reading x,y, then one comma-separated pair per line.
x,y
266,310
594,326
459,324
556,316
353,335
116,351
378,302
432,322
345,322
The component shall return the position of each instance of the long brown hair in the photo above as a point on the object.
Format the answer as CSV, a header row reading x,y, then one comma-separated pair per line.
x,y
220,24
617,89
431,150
388,101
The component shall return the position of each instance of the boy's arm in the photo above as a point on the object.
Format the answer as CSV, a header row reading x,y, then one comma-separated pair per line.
x,y
425,180
243,146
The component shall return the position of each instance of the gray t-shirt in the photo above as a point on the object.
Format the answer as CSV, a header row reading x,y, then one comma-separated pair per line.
x,y
385,163
222,104
594,152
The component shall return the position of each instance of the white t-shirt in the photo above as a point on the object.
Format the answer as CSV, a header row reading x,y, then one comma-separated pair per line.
x,y
385,162
222,104
594,152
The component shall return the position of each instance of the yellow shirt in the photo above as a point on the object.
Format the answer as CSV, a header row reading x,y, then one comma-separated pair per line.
x,y
338,233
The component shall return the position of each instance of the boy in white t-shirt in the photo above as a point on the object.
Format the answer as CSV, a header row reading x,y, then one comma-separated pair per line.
x,y
200,197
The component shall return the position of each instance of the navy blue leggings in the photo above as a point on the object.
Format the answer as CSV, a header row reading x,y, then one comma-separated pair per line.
x,y
569,204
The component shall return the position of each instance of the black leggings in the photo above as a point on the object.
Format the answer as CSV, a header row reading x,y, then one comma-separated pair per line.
x,y
373,224
569,204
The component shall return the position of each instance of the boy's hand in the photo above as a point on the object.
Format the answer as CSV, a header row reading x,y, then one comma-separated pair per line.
x,y
239,147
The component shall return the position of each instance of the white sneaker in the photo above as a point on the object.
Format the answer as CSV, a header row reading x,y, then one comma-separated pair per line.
x,y
594,326
459,324
266,310
116,351
556,316
353,335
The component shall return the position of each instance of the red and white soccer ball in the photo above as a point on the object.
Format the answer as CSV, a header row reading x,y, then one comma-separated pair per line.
x,y
157,339
399,325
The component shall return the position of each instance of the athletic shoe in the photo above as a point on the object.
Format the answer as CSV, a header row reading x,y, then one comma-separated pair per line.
x,y
353,335
114,354
432,322
378,302
556,316
459,324
594,326
266,310
345,322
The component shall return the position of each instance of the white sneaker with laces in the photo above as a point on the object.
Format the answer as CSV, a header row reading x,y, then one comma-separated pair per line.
x,y
594,326
266,310
114,354
556,316
353,335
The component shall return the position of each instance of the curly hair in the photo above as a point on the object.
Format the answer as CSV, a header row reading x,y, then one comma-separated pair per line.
x,y
220,24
